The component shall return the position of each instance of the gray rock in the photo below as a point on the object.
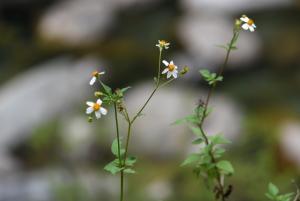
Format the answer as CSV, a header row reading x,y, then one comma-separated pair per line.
x,y
82,22
41,94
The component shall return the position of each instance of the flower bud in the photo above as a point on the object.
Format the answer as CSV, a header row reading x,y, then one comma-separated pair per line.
x,y
184,70
98,94
90,119
237,25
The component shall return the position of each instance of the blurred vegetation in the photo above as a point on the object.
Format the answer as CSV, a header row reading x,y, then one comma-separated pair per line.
x,y
268,92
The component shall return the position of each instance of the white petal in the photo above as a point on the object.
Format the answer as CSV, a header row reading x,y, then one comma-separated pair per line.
x,y
93,80
99,101
98,114
167,44
251,28
245,26
174,74
103,110
157,45
89,110
175,67
169,74
244,19
164,71
102,73
166,47
254,25
165,62
89,103
172,63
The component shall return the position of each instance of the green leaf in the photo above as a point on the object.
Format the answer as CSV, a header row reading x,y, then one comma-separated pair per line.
x,y
125,89
130,161
222,46
106,88
191,159
114,148
197,131
268,195
218,139
112,167
189,119
205,73
225,166
129,171
198,141
273,190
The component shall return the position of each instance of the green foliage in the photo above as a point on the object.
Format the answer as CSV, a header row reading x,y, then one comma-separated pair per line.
x,y
211,78
225,167
118,164
273,194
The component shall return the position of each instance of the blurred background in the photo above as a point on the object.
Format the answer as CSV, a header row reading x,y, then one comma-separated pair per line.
x,y
48,49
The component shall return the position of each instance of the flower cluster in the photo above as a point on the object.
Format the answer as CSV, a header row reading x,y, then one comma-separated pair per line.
x,y
96,107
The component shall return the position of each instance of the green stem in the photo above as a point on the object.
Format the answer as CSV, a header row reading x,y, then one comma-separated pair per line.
x,y
159,66
210,92
119,152
127,143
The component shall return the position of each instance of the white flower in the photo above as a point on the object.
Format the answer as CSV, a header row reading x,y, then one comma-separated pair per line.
x,y
249,23
95,75
96,107
162,44
171,69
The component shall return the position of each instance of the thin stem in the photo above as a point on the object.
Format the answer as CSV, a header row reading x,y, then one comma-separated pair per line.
x,y
119,153
127,143
145,104
210,92
159,66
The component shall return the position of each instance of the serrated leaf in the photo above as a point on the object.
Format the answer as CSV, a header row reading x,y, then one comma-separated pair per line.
x,y
197,131
112,167
198,141
191,159
129,171
273,190
222,46
131,160
218,139
225,166
189,119
106,88
125,89
205,73
268,195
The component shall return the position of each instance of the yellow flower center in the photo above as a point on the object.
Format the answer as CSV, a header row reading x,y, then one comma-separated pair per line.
x,y
162,43
171,67
250,22
95,73
96,106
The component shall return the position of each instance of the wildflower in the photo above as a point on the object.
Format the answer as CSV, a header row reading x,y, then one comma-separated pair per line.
x,y
171,69
96,107
162,44
95,75
249,23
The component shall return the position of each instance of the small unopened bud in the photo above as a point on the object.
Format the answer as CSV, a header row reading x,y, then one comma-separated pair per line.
x,y
90,119
238,24
184,70
119,93
98,94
